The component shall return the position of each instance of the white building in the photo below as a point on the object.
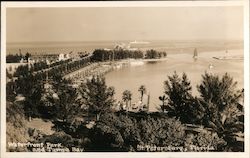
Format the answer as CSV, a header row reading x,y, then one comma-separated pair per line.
x,y
63,57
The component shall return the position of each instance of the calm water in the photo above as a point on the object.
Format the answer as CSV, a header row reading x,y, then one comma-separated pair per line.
x,y
168,46
153,74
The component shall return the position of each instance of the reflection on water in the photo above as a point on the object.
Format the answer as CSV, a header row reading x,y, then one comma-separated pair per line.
x,y
152,74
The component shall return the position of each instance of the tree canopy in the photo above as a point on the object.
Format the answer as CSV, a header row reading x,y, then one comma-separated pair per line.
x,y
96,95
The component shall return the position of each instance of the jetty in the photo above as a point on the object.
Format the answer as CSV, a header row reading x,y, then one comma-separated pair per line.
x,y
227,56
88,71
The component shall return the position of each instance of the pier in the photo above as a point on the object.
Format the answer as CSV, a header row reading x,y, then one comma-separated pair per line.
x,y
87,72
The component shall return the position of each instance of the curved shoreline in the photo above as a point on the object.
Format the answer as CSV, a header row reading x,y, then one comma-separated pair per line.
x,y
101,68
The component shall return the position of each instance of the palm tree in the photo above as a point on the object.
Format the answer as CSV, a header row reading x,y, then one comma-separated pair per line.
x,y
163,99
223,110
111,91
127,97
142,89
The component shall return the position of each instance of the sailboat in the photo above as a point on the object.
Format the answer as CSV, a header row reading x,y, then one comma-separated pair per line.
x,y
195,56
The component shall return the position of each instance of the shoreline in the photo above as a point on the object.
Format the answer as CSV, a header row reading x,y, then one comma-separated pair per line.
x,y
102,68
157,59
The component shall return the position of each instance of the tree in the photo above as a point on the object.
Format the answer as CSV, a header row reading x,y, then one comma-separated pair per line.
x,y
9,75
164,54
96,96
223,110
181,104
219,91
127,97
67,141
31,89
161,131
13,58
10,91
106,134
111,91
100,55
125,131
151,54
67,105
142,90
32,101
22,71
27,56
204,138
178,91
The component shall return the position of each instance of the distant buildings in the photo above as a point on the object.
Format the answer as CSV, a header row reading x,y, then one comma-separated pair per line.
x,y
124,46
131,46
48,58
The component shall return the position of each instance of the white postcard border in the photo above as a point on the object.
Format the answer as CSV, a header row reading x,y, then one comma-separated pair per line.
x,y
5,5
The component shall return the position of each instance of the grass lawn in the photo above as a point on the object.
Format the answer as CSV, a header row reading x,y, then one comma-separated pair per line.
x,y
42,125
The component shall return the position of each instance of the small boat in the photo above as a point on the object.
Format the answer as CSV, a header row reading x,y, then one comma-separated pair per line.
x,y
210,66
139,42
136,63
117,66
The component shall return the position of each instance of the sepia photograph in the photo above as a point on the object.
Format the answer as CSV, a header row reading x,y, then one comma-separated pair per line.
x,y
122,77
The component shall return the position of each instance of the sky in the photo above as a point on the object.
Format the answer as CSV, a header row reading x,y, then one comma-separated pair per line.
x,y
126,23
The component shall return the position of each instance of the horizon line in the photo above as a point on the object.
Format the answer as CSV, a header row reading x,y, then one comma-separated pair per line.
x,y
78,41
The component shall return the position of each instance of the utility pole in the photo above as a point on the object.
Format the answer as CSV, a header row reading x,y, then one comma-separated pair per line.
x,y
148,101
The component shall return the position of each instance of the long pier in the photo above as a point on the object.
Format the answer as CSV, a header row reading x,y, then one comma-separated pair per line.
x,y
87,72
